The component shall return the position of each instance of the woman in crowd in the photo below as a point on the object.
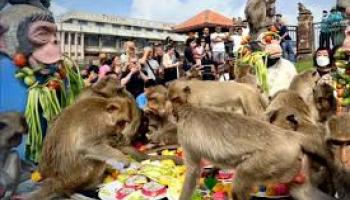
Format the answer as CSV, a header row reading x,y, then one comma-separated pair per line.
x,y
129,53
170,64
117,67
150,65
198,52
188,53
134,78
105,65
323,61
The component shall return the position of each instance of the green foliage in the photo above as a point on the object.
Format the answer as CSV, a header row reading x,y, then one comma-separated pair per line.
x,y
303,65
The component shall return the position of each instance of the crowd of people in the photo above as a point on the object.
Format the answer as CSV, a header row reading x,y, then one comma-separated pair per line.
x,y
212,52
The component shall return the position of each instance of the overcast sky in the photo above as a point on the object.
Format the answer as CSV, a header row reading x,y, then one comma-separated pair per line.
x,y
178,11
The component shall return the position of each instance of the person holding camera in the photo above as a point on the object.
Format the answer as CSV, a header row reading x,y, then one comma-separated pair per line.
x,y
134,78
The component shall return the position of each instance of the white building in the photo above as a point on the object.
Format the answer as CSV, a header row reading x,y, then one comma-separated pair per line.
x,y
85,35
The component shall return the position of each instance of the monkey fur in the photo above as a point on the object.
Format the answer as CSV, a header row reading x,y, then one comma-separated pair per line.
x,y
258,151
12,127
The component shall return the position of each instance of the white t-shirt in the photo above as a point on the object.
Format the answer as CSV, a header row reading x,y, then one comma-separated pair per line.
x,y
237,39
280,75
217,46
245,31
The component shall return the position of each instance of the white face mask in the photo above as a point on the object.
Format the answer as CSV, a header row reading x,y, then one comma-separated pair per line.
x,y
323,61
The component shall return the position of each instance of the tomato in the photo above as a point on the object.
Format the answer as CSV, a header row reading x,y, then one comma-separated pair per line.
x,y
54,85
268,39
19,60
273,29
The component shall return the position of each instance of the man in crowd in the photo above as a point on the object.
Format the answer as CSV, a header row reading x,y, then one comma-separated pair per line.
x,y
218,46
286,41
324,35
206,37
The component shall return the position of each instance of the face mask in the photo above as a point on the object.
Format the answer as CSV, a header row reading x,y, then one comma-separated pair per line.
x,y
322,61
272,61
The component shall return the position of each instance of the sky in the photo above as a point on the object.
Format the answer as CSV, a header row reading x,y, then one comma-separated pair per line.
x,y
177,11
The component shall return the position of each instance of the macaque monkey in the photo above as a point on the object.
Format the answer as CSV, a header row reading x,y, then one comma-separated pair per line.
x,y
325,101
258,151
243,75
12,127
223,96
304,84
338,142
109,87
77,148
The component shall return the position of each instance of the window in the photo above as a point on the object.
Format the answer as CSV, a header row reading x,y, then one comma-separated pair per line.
x,y
149,29
65,38
116,26
91,40
108,41
127,27
82,22
99,24
137,28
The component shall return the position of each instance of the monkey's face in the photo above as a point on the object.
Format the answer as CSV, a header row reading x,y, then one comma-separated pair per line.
x,y
12,127
42,36
119,113
158,103
324,97
178,94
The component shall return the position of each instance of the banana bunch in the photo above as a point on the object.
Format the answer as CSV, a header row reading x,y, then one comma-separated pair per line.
x,y
27,75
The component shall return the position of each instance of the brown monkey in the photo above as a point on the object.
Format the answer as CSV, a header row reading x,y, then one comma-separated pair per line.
x,y
243,75
109,87
223,96
338,142
258,151
76,148
12,127
325,101
304,84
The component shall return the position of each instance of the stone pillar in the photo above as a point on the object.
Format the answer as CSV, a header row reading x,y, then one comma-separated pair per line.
x,y
75,45
62,39
305,41
100,43
69,44
82,47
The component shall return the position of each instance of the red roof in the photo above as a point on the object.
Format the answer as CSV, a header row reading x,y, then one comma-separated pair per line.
x,y
207,18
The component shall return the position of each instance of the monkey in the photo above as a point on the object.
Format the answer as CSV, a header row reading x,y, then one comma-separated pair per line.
x,y
342,5
109,87
76,148
243,75
44,4
304,84
225,96
258,151
12,127
325,101
259,14
338,142
289,111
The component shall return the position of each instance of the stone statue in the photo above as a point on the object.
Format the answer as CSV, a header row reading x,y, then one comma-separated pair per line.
x,y
260,14
303,9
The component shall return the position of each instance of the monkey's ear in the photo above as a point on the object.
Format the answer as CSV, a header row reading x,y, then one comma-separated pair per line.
x,y
187,90
2,125
293,120
113,107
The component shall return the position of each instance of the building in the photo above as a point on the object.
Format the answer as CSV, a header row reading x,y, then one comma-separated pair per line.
x,y
84,35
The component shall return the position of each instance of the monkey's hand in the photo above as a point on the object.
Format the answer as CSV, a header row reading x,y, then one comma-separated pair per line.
x,y
118,164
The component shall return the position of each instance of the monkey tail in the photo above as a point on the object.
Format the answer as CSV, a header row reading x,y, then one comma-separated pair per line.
x,y
315,148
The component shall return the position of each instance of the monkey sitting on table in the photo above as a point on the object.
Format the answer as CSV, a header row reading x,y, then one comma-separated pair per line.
x,y
12,127
257,150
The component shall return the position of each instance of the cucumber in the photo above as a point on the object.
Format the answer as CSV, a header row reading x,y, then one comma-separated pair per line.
x,y
29,80
20,75
28,71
